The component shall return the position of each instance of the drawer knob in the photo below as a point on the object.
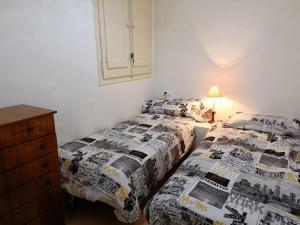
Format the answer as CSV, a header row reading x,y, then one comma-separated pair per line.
x,y
29,130
47,183
50,200
45,164
52,213
43,146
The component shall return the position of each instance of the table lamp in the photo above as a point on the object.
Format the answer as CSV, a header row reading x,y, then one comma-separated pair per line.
x,y
214,93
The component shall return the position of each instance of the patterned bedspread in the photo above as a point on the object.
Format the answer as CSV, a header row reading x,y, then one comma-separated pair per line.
x,y
235,177
119,166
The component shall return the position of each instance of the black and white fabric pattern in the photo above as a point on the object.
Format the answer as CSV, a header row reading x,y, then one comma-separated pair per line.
x,y
235,177
119,166
265,123
179,107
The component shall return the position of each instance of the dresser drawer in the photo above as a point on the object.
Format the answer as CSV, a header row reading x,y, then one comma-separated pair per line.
x,y
24,174
25,194
42,204
21,154
25,131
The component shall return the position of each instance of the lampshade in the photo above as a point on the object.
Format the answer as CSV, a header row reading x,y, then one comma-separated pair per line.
x,y
214,92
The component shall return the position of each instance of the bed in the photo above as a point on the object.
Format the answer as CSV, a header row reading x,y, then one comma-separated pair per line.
x,y
121,165
245,172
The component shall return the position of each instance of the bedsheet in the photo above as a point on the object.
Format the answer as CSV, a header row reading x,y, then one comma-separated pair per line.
x,y
119,166
235,177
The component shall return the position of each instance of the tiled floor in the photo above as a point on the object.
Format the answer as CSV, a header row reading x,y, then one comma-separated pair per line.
x,y
86,213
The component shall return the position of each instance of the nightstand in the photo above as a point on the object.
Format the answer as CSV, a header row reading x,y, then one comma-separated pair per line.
x,y
201,130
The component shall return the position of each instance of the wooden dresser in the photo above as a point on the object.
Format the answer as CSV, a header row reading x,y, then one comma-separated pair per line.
x,y
30,191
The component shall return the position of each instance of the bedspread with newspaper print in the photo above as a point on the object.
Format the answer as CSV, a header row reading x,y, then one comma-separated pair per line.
x,y
119,166
235,177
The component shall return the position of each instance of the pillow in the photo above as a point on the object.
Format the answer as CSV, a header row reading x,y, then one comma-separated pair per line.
x,y
179,107
265,123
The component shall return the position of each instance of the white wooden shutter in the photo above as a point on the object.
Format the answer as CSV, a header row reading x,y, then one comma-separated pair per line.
x,y
141,36
114,21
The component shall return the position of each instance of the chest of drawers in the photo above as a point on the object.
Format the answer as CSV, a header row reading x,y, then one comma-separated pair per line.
x,y
30,192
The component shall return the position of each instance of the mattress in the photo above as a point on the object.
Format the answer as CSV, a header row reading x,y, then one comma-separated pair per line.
x,y
235,177
119,166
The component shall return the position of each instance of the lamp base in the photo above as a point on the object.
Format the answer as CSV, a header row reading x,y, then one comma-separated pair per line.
x,y
213,113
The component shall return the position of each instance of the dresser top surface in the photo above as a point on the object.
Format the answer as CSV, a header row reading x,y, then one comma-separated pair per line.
x,y
18,113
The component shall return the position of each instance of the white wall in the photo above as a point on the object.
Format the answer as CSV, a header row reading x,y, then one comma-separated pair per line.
x,y
48,58
250,48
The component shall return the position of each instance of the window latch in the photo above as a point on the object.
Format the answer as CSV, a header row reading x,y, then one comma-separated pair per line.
x,y
132,57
